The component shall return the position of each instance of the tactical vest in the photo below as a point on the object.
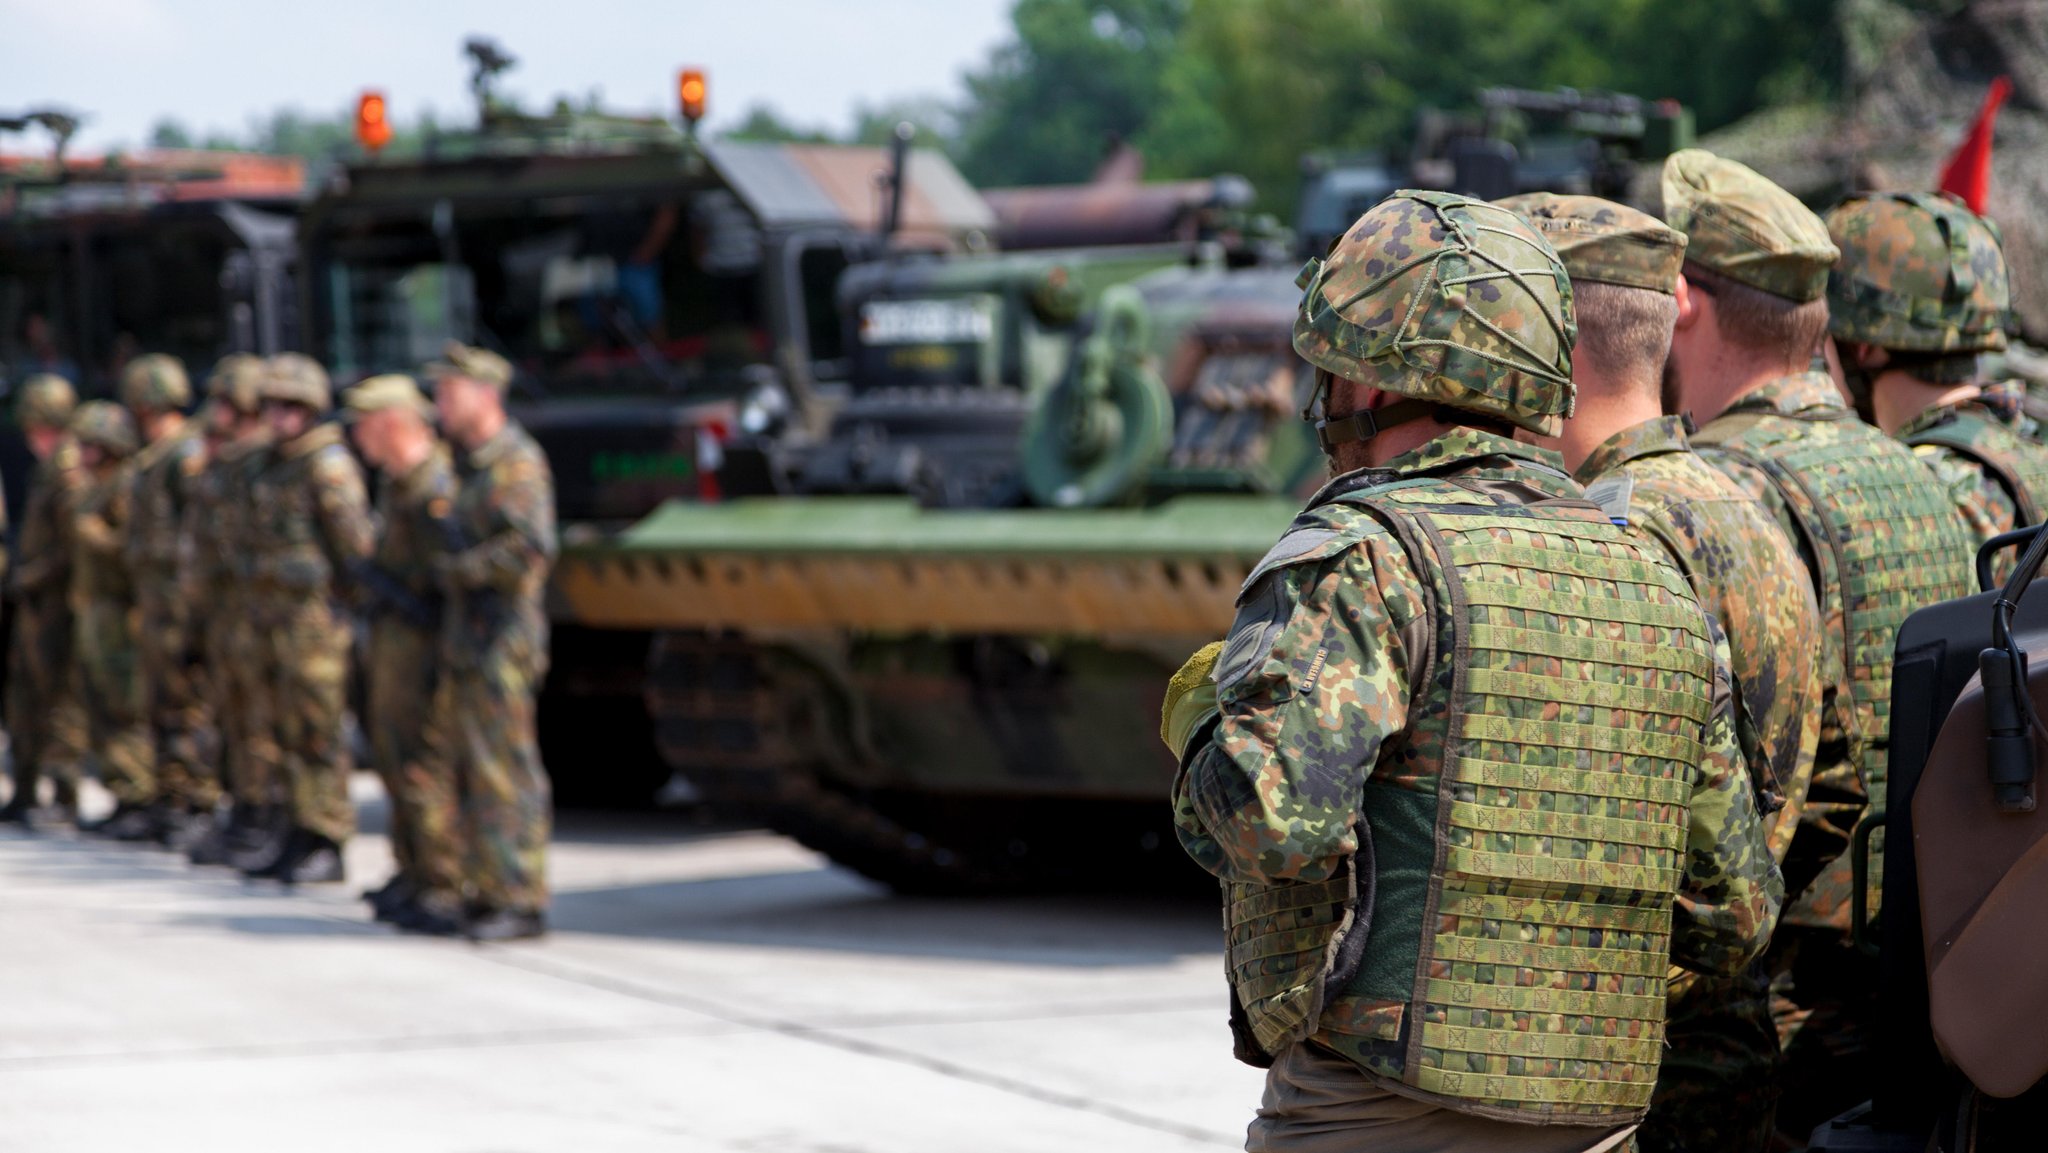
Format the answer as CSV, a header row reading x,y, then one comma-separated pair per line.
x,y
290,553
1513,914
2020,465
157,510
1888,539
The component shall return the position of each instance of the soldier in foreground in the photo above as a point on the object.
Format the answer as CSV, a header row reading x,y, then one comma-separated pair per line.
x,y
156,392
1920,292
1463,727
103,597
498,548
1717,1090
310,527
389,419
45,723
1879,532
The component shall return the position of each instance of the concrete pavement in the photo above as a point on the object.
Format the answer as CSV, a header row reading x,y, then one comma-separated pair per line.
x,y
704,990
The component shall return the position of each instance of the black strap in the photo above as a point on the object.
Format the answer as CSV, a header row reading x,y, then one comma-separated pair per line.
x,y
1367,423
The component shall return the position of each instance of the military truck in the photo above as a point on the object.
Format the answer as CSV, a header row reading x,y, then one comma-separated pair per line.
x,y
658,295
939,658
1518,140
1952,873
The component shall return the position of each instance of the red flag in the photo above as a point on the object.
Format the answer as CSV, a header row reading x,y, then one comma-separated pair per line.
x,y
1967,174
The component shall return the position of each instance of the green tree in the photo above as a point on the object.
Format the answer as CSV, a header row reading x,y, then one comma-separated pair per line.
x,y
764,123
1080,75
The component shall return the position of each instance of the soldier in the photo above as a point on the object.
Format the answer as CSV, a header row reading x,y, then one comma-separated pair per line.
x,y
1878,531
1463,729
416,490
215,591
1717,1089
1920,291
309,527
156,391
499,546
103,601
45,722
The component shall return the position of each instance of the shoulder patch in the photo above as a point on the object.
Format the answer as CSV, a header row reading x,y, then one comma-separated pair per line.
x,y
1312,541
1614,493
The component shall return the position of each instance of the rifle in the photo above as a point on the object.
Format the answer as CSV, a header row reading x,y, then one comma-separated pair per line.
x,y
483,606
390,595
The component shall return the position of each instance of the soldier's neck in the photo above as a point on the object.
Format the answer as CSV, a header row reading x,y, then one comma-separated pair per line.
x,y
1896,398
488,426
164,424
1607,405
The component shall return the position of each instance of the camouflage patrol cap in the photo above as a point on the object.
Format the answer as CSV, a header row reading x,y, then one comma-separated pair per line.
x,y
294,378
1603,242
1445,299
105,425
46,400
1746,228
380,393
155,381
1919,272
237,382
478,364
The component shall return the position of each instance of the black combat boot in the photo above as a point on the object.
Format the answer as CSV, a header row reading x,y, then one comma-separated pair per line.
x,y
182,829
264,845
315,861
505,925
18,811
430,914
396,894
212,845
128,822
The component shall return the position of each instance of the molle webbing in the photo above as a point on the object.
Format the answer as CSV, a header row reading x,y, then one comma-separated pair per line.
x,y
1889,540
2022,468
1585,680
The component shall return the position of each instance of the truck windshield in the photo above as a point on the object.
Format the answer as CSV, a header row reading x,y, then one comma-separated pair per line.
x,y
585,298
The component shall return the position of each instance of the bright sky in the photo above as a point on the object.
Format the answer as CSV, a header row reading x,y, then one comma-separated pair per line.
x,y
215,64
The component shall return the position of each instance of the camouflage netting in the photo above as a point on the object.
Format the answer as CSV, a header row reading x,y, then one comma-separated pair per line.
x,y
1918,83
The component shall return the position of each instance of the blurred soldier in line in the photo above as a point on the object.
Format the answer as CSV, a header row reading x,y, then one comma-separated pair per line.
x,y
215,598
156,391
45,723
309,527
497,550
1880,533
1921,291
103,599
1467,764
1717,1089
390,421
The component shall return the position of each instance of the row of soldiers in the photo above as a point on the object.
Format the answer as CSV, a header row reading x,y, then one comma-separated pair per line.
x,y
190,594
1522,850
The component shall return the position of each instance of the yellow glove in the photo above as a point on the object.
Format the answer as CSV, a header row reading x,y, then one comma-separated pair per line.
x,y
1190,698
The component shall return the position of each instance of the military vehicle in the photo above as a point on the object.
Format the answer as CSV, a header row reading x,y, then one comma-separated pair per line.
x,y
657,295
1961,870
101,258
1519,140
938,658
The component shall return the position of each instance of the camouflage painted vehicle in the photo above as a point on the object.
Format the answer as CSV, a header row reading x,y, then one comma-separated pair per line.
x,y
947,672
657,296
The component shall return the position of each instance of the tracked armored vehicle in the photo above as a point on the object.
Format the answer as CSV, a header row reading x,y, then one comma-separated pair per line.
x,y
939,657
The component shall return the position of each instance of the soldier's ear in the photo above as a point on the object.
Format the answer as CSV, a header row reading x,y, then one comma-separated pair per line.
x,y
1688,303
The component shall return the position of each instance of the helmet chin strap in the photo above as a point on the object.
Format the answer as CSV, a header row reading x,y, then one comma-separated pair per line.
x,y
1368,423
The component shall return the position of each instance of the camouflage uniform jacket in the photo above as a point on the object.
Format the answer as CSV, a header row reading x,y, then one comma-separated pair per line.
x,y
1335,755
1748,575
164,477
42,565
1999,477
99,559
217,558
505,518
309,516
409,508
1889,540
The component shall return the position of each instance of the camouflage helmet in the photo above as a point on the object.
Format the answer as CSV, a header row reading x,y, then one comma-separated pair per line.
x,y
295,378
237,382
46,400
1446,300
1919,272
155,381
105,425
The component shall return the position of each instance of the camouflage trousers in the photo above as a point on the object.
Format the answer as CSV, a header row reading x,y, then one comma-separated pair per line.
x,y
45,720
1717,1089
309,659
181,723
483,727
110,685
401,681
238,660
